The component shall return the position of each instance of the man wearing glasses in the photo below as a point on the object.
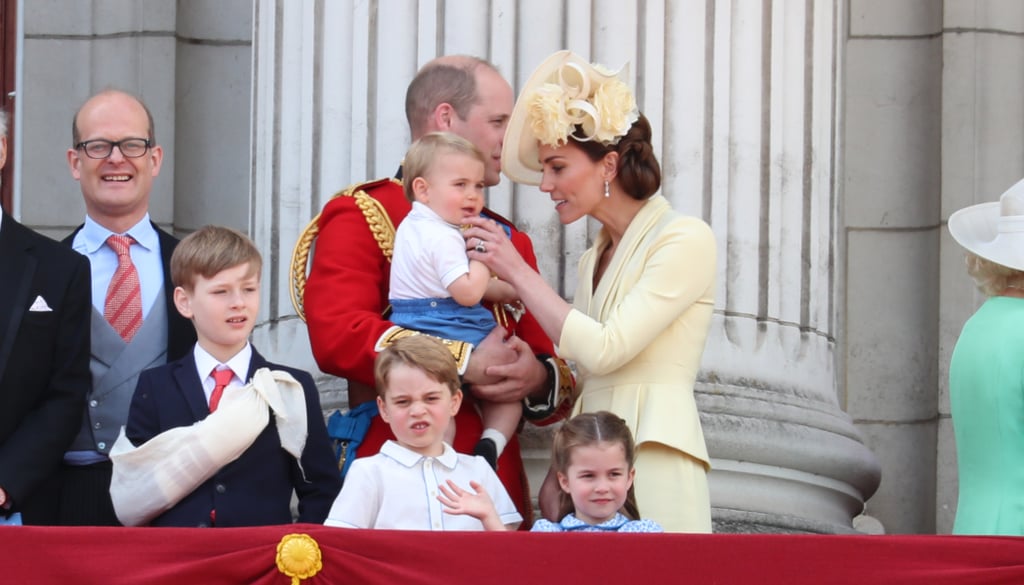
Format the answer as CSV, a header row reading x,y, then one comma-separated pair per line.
x,y
115,157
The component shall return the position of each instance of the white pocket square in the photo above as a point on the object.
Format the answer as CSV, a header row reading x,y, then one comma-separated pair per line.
x,y
39,306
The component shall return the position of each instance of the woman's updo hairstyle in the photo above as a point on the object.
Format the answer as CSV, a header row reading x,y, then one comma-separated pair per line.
x,y
639,173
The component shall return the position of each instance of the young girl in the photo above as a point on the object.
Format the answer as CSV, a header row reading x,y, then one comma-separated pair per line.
x,y
593,456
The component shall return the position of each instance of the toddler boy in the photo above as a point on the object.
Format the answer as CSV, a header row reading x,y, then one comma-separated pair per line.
x,y
434,287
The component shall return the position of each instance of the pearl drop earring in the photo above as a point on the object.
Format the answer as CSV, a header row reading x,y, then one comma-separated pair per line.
x,y
607,191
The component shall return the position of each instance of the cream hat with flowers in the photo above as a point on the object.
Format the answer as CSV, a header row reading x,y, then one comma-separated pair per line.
x,y
564,92
995,230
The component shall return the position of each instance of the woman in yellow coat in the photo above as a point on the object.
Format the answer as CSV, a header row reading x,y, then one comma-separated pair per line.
x,y
645,296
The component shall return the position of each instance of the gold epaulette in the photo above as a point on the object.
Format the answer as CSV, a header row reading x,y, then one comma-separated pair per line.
x,y
460,350
377,219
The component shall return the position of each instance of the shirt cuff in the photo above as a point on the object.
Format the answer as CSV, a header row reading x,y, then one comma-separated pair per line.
x,y
560,397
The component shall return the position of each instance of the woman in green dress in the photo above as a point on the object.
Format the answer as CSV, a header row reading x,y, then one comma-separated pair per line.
x,y
986,371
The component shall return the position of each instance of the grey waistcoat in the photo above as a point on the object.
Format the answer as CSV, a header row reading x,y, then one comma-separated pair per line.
x,y
115,367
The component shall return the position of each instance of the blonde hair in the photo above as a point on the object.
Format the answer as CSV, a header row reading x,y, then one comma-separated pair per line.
x,y
992,278
586,429
423,155
210,250
422,352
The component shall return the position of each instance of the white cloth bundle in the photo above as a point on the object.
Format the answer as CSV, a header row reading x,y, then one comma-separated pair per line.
x,y
150,479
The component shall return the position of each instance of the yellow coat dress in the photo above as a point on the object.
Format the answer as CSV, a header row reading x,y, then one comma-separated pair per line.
x,y
637,341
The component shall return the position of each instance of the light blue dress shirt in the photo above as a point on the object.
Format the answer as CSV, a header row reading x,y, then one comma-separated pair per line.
x,y
91,241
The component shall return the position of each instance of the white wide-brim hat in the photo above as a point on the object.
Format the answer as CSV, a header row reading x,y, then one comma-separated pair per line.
x,y
519,154
995,230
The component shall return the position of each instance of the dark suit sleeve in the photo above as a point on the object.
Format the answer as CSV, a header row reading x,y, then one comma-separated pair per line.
x,y
34,450
181,334
143,419
322,481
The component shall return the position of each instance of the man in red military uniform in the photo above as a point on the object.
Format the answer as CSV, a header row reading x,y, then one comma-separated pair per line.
x,y
346,293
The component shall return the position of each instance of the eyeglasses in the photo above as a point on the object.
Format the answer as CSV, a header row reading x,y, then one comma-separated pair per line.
x,y
101,148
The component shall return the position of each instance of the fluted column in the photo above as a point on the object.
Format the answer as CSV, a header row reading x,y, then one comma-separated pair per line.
x,y
287,166
785,456
745,105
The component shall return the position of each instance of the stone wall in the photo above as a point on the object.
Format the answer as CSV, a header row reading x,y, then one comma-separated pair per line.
x,y
190,62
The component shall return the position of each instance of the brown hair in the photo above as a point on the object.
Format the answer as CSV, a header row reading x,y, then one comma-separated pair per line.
x,y
422,352
76,136
450,79
639,173
590,428
423,155
209,250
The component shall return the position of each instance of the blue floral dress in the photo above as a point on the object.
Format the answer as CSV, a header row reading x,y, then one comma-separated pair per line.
x,y
618,523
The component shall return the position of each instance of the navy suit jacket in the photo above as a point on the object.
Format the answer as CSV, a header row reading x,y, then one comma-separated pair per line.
x,y
181,335
256,488
44,356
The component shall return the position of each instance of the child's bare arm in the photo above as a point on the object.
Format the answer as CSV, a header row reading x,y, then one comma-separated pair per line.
x,y
499,291
476,503
468,289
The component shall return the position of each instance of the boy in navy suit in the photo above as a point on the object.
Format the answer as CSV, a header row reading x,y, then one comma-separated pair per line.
x,y
222,437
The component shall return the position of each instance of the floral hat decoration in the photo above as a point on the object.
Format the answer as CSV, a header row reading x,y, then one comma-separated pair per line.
x,y
565,93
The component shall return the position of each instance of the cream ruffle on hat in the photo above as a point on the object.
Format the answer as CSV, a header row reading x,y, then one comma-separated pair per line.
x,y
563,93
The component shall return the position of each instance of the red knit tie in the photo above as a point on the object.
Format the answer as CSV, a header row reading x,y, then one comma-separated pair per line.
x,y
222,379
123,306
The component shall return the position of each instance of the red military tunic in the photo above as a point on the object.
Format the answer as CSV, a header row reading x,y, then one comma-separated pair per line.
x,y
346,295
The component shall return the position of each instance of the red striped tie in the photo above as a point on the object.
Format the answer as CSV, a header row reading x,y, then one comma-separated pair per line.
x,y
123,307
221,379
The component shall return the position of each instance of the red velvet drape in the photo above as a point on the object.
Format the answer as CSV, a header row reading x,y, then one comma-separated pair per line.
x,y
248,555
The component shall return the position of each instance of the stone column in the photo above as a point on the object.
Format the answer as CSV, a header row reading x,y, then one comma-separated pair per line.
x,y
213,115
288,126
785,456
745,104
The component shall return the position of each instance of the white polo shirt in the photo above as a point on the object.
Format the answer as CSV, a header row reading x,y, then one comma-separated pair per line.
x,y
397,489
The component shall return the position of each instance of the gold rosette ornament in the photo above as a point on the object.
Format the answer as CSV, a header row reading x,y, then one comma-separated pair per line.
x,y
298,557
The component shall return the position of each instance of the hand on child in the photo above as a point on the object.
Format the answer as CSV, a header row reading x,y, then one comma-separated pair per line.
x,y
476,503
490,352
518,378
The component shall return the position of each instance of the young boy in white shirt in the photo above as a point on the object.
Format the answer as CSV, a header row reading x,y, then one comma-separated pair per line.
x,y
418,482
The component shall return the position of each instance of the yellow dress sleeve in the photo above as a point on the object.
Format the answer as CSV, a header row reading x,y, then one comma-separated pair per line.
x,y
671,274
